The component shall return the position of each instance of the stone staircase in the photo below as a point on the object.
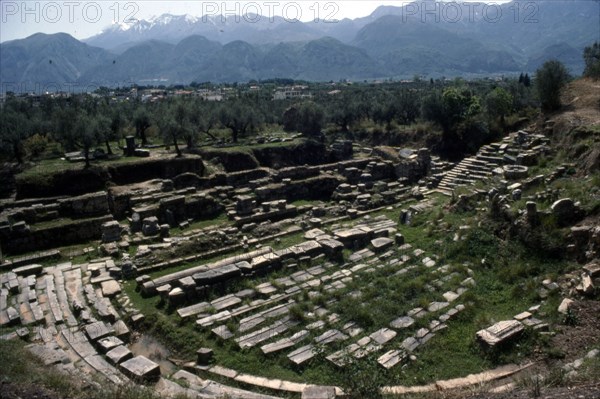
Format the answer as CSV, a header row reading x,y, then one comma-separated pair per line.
x,y
479,167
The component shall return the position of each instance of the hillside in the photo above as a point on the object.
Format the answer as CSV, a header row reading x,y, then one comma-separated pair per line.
x,y
393,42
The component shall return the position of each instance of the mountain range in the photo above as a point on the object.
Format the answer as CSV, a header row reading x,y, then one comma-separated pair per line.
x,y
392,42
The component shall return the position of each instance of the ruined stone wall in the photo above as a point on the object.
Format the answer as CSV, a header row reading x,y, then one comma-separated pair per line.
x,y
155,169
68,182
304,153
232,161
28,240
85,205
82,181
315,188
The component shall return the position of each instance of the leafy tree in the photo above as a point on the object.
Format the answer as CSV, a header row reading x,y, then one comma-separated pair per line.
x,y
170,130
181,115
76,129
203,117
591,56
407,107
117,123
385,112
306,118
103,130
290,119
499,103
456,110
239,117
310,119
86,134
432,108
142,121
550,80
344,109
14,128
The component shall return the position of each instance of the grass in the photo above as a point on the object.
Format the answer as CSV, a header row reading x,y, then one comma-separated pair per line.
x,y
249,147
451,353
220,220
48,167
506,284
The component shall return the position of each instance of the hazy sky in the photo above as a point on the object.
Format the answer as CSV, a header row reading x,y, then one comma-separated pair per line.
x,y
82,19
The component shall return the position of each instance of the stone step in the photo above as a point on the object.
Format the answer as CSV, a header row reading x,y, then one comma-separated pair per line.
x,y
491,159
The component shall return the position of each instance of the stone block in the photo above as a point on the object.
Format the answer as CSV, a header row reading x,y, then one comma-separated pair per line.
x,y
150,226
318,392
110,288
140,368
204,356
500,332
381,244
118,355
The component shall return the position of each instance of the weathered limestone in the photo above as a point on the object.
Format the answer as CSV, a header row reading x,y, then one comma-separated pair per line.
x,y
256,337
118,355
98,330
302,354
565,305
150,226
565,210
402,322
592,269
500,332
204,356
381,244
141,368
108,343
110,288
383,336
111,231
392,358
318,392
285,342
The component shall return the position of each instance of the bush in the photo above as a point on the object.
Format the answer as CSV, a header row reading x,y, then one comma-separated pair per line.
x,y
36,145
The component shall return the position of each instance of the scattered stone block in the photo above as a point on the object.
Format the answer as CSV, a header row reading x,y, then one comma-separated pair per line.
x,y
318,392
381,244
111,231
399,238
500,332
410,344
392,358
150,226
592,269
141,368
118,355
110,288
402,322
177,296
565,305
435,306
222,332
383,336
522,316
121,330
98,330
108,343
204,356
587,287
